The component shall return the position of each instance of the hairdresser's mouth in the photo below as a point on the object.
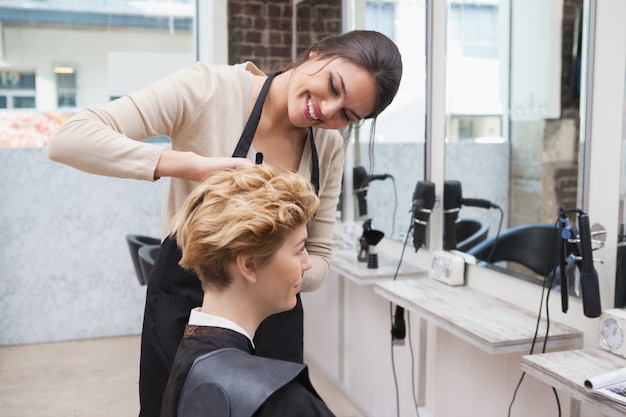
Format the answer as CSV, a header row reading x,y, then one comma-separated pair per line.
x,y
312,110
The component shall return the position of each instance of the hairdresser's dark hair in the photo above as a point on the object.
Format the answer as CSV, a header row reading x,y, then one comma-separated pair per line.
x,y
370,50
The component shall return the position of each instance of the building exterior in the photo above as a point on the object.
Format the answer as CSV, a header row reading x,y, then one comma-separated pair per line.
x,y
62,55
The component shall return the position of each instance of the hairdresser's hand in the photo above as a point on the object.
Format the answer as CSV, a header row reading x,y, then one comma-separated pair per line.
x,y
191,166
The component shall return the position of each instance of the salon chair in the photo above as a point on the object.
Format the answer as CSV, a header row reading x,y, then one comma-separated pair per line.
x,y
135,242
147,257
470,232
533,246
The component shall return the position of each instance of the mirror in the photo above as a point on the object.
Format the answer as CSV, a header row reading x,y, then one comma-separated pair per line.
x,y
512,103
620,266
395,163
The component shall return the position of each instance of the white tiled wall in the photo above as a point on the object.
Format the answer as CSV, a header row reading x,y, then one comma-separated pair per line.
x,y
65,268
482,169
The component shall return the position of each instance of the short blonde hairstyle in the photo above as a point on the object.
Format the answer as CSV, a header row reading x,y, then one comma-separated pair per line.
x,y
246,211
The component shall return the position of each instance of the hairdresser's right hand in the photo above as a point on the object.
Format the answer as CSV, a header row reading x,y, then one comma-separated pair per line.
x,y
191,166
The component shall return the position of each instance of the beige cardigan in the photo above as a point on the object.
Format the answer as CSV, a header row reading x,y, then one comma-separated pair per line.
x,y
202,109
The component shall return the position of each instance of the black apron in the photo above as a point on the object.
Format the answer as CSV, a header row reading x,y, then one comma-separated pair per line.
x,y
173,292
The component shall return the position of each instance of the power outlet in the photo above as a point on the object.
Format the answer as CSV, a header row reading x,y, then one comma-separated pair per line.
x,y
448,268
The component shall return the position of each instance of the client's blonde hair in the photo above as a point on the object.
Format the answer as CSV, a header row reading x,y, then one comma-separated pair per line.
x,y
249,210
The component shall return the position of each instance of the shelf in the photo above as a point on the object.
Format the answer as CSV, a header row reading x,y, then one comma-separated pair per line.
x,y
346,264
491,324
567,370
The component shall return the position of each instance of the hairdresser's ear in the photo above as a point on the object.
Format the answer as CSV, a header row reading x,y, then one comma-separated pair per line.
x,y
246,267
313,54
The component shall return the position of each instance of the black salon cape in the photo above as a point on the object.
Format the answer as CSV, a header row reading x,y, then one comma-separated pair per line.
x,y
297,398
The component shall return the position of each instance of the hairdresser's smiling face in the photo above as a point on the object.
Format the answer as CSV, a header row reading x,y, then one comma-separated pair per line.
x,y
330,93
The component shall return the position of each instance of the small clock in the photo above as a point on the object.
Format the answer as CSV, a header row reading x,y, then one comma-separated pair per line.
x,y
448,267
612,325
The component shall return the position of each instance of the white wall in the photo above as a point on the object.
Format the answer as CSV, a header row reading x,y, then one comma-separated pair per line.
x,y
147,67
41,49
65,267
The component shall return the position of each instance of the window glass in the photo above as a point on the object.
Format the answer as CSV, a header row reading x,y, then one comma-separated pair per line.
x,y
395,158
66,86
61,56
23,102
620,283
477,140
17,80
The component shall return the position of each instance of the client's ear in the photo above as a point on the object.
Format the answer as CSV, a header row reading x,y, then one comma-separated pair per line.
x,y
246,267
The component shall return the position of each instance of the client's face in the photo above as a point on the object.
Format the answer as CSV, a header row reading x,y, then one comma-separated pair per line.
x,y
279,281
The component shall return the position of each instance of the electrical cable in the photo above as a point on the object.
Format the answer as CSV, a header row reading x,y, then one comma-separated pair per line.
x,y
395,195
393,365
393,369
550,286
548,279
413,390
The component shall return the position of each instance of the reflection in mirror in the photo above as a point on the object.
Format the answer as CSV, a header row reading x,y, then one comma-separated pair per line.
x,y
620,267
512,103
386,172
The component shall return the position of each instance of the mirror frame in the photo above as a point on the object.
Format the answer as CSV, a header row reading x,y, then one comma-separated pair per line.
x,y
603,87
602,95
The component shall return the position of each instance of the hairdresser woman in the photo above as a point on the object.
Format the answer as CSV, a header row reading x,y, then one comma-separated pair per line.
x,y
223,116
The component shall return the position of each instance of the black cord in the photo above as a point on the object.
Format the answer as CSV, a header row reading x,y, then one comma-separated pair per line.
x,y
550,286
408,326
395,194
548,279
406,239
393,369
391,315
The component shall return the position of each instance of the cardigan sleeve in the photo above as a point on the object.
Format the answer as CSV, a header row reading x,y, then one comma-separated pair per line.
x,y
320,240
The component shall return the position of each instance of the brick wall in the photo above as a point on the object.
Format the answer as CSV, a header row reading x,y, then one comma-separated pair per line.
x,y
566,176
569,82
261,30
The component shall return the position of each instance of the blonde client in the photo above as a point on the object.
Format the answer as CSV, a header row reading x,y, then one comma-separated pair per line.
x,y
243,233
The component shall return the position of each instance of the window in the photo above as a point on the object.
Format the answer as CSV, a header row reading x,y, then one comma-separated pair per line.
x,y
66,55
475,27
17,90
66,86
23,102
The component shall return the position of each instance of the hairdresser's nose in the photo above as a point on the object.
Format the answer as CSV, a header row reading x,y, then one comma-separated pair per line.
x,y
306,261
331,109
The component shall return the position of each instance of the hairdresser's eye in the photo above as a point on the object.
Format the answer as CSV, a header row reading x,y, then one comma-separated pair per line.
x,y
335,91
333,88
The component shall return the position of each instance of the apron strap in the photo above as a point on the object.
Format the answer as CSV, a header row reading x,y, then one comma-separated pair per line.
x,y
315,164
243,146
245,141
